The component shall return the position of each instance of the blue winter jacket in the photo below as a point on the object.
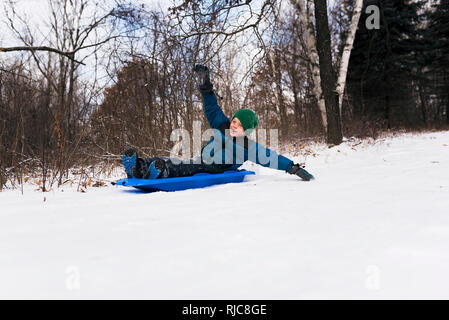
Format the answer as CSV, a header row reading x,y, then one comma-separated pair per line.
x,y
225,149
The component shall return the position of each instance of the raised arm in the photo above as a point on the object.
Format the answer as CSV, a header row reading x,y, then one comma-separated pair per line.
x,y
213,112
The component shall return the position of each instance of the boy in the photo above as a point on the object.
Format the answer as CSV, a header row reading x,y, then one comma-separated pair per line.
x,y
227,150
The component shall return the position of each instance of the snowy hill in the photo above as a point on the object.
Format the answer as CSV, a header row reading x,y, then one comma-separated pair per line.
x,y
375,224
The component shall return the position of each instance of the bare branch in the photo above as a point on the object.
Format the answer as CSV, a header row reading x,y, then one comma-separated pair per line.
x,y
69,55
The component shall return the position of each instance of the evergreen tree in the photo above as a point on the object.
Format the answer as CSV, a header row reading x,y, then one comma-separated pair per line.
x,y
438,34
383,64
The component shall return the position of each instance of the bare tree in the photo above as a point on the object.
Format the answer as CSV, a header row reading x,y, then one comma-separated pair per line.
x,y
276,72
306,18
77,30
344,62
326,82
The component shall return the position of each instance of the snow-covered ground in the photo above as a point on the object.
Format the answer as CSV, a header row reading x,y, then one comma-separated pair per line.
x,y
375,224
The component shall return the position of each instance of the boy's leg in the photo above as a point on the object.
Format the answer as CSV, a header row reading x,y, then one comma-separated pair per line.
x,y
139,168
168,169
163,167
154,168
193,167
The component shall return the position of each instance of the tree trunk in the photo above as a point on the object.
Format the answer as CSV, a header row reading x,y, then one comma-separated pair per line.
x,y
327,73
388,111
347,53
387,70
276,73
445,77
293,76
297,104
423,104
306,19
447,109
60,117
72,80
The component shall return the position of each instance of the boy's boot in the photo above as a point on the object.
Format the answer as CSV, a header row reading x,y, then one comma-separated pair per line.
x,y
131,163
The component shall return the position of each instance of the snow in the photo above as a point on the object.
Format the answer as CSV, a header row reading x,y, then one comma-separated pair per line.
x,y
375,224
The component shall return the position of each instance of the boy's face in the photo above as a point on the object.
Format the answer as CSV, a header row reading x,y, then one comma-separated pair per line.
x,y
236,129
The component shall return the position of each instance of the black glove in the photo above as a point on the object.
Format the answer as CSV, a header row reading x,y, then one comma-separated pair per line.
x,y
300,172
203,73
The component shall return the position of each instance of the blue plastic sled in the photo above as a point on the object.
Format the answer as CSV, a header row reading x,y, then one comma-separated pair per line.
x,y
199,180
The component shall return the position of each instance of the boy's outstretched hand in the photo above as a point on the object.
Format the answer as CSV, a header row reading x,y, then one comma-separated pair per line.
x,y
203,73
300,172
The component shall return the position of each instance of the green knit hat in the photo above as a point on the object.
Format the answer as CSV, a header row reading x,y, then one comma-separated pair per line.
x,y
247,118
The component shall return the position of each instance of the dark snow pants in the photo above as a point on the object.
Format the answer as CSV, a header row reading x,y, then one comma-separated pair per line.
x,y
188,168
